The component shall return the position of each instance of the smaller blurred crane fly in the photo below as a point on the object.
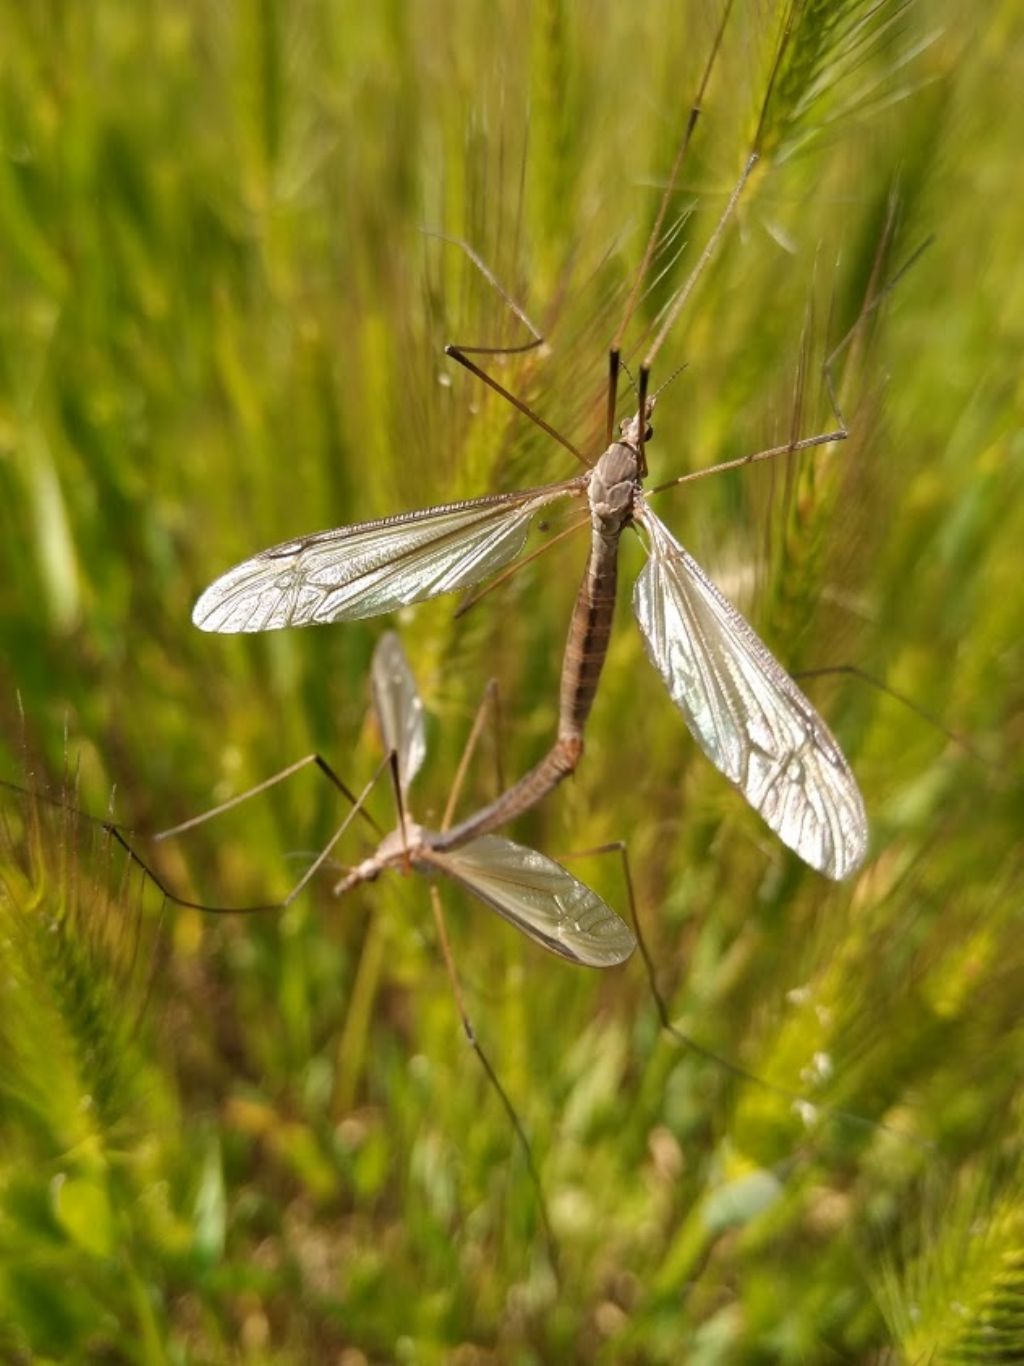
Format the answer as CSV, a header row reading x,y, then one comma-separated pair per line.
x,y
532,892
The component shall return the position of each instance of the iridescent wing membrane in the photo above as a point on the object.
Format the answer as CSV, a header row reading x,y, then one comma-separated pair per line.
x,y
541,898
399,708
374,567
532,892
744,710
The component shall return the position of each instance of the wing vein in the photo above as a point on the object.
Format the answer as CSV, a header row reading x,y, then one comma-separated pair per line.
x,y
744,710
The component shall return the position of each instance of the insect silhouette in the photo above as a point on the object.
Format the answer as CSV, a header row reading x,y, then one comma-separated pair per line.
x,y
744,710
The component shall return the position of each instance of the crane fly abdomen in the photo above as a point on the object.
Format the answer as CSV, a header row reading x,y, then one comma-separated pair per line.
x,y
561,759
613,483
589,633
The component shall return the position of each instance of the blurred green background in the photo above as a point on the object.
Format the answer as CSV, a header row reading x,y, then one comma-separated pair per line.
x,y
221,325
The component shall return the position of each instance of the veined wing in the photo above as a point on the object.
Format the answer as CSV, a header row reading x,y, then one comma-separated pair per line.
x,y
373,567
540,898
744,710
399,707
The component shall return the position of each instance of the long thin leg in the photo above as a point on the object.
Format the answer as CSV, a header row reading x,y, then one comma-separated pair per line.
x,y
488,704
120,836
824,439
855,671
806,1108
459,354
536,336
676,307
698,270
514,569
711,245
492,1076
267,783
872,301
654,239
318,862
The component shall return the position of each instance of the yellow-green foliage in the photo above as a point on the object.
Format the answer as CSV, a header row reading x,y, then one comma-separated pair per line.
x,y
222,324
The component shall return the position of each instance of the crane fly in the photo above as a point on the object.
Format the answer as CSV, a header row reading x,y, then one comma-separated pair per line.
x,y
743,709
534,893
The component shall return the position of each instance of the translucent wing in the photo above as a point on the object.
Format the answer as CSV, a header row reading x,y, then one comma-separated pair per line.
x,y
540,898
373,567
399,707
744,710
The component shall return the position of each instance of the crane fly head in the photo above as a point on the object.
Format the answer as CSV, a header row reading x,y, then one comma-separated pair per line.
x,y
630,428
367,871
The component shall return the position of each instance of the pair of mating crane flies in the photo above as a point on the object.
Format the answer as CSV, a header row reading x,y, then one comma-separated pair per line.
x,y
741,706
743,709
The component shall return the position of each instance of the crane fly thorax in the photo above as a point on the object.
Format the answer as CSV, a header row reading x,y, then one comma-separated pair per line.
x,y
616,478
613,481
400,848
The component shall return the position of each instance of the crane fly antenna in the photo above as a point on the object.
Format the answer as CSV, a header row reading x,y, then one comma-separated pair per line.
x,y
674,375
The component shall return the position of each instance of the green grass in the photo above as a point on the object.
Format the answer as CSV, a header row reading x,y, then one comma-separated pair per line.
x,y
265,1140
